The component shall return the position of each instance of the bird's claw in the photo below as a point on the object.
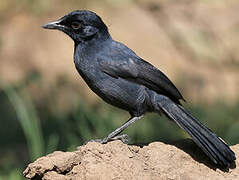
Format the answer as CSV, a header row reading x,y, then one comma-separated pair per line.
x,y
124,138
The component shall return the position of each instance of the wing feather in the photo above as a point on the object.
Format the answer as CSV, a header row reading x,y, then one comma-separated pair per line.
x,y
124,63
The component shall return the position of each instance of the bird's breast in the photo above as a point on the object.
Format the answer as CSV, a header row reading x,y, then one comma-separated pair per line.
x,y
115,91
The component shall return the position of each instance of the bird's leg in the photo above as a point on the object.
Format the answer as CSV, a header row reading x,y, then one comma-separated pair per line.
x,y
114,135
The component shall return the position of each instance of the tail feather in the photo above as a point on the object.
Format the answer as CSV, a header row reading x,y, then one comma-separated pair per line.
x,y
213,147
225,150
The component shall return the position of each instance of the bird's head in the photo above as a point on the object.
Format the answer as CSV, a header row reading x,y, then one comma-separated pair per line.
x,y
80,25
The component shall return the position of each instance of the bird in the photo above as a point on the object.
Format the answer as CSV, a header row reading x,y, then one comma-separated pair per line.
x,y
121,78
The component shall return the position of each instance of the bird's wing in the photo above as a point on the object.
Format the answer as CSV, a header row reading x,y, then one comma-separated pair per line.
x,y
132,68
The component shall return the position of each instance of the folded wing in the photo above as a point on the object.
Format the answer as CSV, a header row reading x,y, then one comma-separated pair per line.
x,y
141,72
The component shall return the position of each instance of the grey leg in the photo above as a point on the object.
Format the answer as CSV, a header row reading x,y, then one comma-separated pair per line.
x,y
113,135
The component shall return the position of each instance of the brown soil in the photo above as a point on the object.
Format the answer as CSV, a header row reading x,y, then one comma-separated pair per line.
x,y
115,160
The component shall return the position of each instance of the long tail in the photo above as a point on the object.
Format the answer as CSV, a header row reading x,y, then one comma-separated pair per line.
x,y
214,147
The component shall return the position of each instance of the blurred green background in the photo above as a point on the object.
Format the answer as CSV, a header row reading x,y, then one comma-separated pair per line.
x,y
45,105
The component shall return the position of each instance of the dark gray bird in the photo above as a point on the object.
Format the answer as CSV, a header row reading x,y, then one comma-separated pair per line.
x,y
123,79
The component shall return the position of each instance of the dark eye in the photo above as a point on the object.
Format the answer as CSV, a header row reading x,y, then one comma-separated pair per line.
x,y
75,25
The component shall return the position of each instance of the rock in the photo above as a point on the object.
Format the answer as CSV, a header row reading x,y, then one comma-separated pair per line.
x,y
115,160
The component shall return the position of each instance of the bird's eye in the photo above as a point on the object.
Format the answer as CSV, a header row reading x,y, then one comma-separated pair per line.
x,y
75,25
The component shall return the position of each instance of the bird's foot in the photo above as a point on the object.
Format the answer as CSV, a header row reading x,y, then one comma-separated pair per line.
x,y
124,138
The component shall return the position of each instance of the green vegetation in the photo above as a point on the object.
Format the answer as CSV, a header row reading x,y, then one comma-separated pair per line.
x,y
29,130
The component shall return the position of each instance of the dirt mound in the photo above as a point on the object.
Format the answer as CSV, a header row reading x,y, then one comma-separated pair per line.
x,y
115,160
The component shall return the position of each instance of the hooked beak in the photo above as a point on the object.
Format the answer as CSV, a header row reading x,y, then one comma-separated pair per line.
x,y
54,25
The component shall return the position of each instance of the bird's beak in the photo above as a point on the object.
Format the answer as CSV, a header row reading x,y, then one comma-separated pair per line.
x,y
53,25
